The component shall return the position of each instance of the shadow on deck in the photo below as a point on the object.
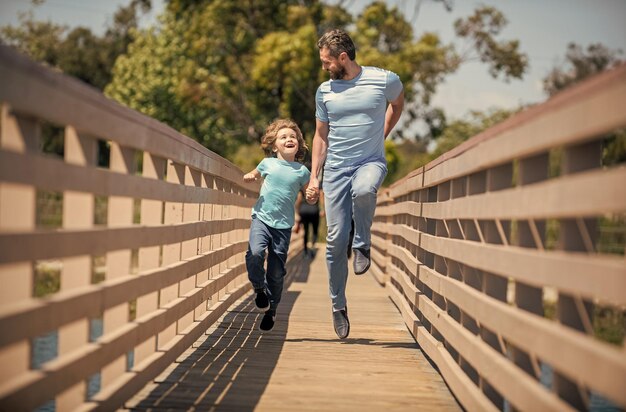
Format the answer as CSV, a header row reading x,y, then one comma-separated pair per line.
x,y
300,364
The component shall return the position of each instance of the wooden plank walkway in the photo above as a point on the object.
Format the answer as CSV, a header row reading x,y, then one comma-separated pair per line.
x,y
301,365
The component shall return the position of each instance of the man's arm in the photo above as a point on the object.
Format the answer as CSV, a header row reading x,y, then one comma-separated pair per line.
x,y
318,157
394,110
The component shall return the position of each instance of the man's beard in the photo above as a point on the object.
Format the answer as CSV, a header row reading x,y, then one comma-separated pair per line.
x,y
338,74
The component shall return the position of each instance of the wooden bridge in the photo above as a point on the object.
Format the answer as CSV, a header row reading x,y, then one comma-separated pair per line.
x,y
301,365
497,268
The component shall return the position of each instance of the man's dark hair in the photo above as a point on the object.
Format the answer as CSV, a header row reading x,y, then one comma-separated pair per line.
x,y
337,41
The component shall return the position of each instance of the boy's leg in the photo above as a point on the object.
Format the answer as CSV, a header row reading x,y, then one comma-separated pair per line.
x,y
255,256
276,261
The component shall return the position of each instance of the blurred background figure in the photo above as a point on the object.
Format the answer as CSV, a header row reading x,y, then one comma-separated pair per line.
x,y
309,221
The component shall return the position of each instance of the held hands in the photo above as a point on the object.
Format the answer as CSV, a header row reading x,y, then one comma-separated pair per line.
x,y
312,195
313,191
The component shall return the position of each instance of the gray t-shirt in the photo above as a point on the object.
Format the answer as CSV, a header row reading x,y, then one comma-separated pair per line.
x,y
276,204
355,111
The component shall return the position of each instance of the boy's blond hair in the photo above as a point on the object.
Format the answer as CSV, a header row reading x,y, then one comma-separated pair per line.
x,y
268,139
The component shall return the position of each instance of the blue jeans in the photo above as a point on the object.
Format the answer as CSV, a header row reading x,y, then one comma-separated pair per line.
x,y
275,242
350,194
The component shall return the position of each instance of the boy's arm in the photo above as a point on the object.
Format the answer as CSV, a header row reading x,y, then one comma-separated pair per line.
x,y
297,207
299,199
252,176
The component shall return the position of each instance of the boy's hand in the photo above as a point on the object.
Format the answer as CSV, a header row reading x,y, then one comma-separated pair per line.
x,y
249,177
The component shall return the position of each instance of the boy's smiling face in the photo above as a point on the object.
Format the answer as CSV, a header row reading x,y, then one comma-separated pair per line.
x,y
286,144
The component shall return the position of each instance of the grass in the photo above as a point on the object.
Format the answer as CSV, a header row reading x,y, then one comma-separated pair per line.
x,y
47,278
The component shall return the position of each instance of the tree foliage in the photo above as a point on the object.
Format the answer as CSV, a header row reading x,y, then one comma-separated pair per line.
x,y
392,156
220,70
77,52
479,29
460,130
198,71
580,65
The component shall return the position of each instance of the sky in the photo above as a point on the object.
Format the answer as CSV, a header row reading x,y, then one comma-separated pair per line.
x,y
543,27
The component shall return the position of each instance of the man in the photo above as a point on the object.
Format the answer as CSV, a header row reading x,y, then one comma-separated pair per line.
x,y
353,118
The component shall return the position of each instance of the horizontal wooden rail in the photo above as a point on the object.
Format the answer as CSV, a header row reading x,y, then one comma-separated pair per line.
x,y
52,174
64,243
34,90
496,254
116,252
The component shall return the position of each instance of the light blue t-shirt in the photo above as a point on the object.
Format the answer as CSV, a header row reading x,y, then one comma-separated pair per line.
x,y
355,110
283,180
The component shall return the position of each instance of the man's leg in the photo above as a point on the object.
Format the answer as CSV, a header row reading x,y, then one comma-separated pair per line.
x,y
338,205
351,238
365,183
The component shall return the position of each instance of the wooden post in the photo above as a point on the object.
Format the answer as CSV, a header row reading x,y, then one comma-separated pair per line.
x,y
171,252
19,134
120,214
573,311
78,210
150,256
189,248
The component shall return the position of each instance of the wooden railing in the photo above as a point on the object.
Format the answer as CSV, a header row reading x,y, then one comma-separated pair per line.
x,y
496,255
118,248
122,241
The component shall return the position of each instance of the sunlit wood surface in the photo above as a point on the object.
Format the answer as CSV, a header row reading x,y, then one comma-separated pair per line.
x,y
301,365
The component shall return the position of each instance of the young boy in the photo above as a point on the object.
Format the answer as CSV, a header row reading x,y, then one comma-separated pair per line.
x,y
273,214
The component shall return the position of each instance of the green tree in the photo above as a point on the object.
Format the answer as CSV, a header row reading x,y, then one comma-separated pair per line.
x,y
412,155
286,71
36,39
77,52
415,154
479,29
220,70
458,131
579,65
385,39
393,161
197,72
82,54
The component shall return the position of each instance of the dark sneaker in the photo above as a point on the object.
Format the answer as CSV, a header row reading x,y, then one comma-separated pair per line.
x,y
341,323
261,301
267,323
361,261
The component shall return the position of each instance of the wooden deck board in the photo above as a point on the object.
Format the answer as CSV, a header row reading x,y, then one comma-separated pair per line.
x,y
301,365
